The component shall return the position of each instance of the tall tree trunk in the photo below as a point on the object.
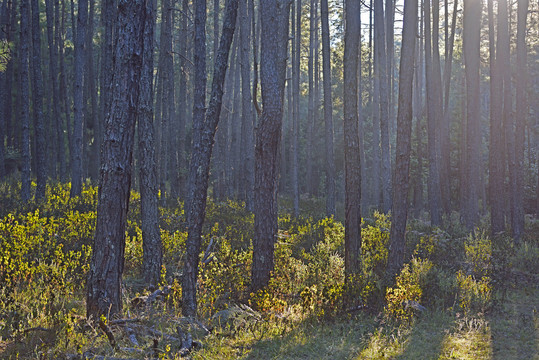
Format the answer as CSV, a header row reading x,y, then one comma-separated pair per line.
x,y
108,15
53,71
182,96
92,124
203,145
5,101
24,99
404,136
199,113
296,96
106,268
37,104
471,38
352,234
309,141
383,97
274,39
78,101
328,111
247,124
520,121
151,236
432,123
496,153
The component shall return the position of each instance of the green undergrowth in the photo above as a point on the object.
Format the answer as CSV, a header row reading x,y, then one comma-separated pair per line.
x,y
458,296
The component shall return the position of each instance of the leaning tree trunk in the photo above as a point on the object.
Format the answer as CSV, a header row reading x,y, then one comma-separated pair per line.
x,y
274,38
202,149
404,136
104,296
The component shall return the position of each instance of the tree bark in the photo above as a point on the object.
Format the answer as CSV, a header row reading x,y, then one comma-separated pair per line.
x,y
496,153
24,99
78,101
274,16
296,96
520,121
106,268
352,234
471,38
37,104
203,146
247,124
432,123
404,135
151,236
383,97
328,111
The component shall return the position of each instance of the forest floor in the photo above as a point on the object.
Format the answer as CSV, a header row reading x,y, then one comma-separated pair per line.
x,y
473,296
509,331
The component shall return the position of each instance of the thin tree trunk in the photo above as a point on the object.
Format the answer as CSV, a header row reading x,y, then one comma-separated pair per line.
x,y
37,104
78,101
352,235
203,144
104,280
309,141
520,121
93,119
24,99
296,96
404,136
432,122
328,111
496,153
247,124
383,97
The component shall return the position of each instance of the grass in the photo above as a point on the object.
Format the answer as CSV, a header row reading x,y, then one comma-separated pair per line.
x,y
481,295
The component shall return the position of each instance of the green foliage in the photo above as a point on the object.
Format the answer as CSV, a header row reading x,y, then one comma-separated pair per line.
x,y
408,289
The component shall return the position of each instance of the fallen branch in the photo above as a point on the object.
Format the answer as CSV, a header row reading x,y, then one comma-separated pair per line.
x,y
109,333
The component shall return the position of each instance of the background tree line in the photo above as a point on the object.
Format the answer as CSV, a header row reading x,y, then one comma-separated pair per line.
x,y
319,105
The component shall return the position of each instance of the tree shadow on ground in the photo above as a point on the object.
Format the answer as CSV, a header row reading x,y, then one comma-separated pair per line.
x,y
427,336
515,327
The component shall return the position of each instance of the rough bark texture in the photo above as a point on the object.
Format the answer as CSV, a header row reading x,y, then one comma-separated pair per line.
x,y
404,134
104,279
309,141
471,37
352,235
24,100
200,163
328,111
78,101
151,236
274,38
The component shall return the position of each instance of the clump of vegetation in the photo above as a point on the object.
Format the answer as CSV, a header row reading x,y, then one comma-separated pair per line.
x,y
46,248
